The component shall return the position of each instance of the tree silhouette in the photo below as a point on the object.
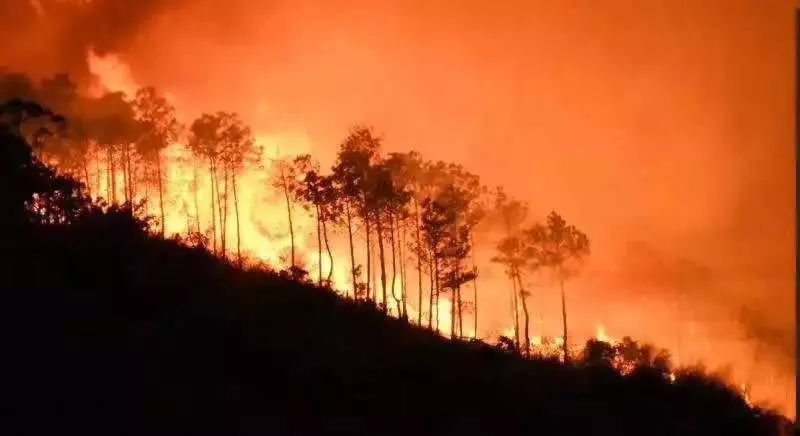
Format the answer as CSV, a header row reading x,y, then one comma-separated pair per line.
x,y
353,172
475,215
64,140
379,197
68,146
113,125
227,144
510,214
30,191
285,178
31,121
433,179
205,143
311,193
407,171
160,128
397,196
627,357
598,353
558,246
332,211
238,148
435,222
464,191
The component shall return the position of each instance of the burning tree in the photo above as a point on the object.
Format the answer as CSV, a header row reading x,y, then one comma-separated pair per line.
x,y
311,193
113,125
238,148
285,179
204,143
464,191
558,246
160,128
392,200
353,173
226,143
407,171
434,223
511,214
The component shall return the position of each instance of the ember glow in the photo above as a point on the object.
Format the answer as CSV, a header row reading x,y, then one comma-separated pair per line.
x,y
664,133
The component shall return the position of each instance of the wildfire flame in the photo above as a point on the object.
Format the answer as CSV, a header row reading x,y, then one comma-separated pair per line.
x,y
601,335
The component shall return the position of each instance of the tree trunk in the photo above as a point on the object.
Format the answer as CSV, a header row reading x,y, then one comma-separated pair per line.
x,y
565,344
238,228
453,315
213,206
196,202
113,177
403,282
328,249
161,194
147,174
382,258
111,183
419,262
526,316
352,253
431,268
474,287
97,170
291,223
394,264
222,205
374,280
436,291
457,299
131,174
460,313
370,282
515,308
125,176
319,249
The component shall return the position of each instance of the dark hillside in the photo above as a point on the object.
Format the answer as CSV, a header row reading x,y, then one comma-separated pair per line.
x,y
127,334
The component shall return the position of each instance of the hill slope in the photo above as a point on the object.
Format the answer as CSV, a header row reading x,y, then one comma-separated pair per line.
x,y
121,333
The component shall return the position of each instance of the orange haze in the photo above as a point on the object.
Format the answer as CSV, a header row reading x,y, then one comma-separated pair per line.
x,y
664,132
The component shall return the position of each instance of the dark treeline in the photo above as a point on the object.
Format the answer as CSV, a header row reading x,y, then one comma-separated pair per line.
x,y
410,223
110,328
124,137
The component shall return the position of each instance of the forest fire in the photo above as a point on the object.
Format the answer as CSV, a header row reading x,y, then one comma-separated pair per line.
x,y
663,272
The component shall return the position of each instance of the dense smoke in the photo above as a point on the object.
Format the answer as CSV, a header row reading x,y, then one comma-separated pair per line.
x,y
665,133
54,35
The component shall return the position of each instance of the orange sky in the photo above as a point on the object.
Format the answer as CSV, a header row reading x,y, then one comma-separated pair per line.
x,y
664,131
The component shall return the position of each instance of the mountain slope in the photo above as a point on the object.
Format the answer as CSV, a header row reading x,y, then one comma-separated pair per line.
x,y
115,332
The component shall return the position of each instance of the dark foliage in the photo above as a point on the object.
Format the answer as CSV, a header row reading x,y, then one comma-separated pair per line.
x,y
109,330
